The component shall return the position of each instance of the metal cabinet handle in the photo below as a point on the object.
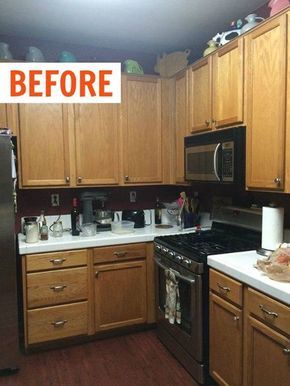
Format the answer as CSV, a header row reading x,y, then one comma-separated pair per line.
x,y
215,161
67,179
277,181
120,254
236,318
286,351
223,288
57,261
126,178
59,323
97,274
58,288
267,312
80,179
207,122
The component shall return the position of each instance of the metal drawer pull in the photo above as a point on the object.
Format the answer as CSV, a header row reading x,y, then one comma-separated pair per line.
x,y
286,351
57,261
226,289
58,288
59,323
120,254
236,318
267,312
97,274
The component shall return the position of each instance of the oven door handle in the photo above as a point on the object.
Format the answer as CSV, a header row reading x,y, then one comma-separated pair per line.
x,y
215,161
177,274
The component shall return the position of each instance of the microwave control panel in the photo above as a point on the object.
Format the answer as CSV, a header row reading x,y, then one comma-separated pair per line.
x,y
228,161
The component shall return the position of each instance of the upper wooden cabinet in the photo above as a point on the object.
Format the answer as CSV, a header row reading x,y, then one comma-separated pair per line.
x,y
265,100
141,129
181,122
9,117
3,115
216,89
44,148
200,95
228,82
97,143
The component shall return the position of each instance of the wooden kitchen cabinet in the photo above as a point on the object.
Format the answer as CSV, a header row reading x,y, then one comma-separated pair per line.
x,y
226,330
228,85
181,122
200,95
267,341
141,130
56,296
9,117
44,145
97,138
3,115
265,101
120,294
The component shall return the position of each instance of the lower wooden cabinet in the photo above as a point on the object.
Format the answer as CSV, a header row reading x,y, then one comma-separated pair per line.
x,y
120,294
226,337
249,341
83,292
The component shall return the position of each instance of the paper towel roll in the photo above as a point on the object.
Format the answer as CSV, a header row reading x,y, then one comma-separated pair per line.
x,y
272,227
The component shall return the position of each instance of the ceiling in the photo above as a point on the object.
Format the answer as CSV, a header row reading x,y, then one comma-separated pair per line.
x,y
148,25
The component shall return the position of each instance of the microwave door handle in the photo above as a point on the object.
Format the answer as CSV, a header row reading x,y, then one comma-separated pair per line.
x,y
177,274
215,161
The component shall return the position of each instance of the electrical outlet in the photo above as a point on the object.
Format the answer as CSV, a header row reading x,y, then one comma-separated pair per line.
x,y
133,196
54,199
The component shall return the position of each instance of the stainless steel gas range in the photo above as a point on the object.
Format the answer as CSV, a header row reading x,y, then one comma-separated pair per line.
x,y
186,256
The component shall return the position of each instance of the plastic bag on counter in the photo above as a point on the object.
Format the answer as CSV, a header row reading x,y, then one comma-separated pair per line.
x,y
277,265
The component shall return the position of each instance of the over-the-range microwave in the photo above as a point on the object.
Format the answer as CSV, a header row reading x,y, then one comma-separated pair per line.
x,y
217,156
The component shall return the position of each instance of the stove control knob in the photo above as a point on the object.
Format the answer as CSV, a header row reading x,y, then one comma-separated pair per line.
x,y
157,247
171,254
187,262
165,250
178,258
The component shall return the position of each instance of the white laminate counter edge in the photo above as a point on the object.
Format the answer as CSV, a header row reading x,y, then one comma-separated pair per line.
x,y
240,266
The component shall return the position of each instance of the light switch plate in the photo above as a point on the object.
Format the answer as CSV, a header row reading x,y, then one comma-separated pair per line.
x,y
54,199
133,196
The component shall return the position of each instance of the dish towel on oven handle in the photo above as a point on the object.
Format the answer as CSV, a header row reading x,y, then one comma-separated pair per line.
x,y
172,305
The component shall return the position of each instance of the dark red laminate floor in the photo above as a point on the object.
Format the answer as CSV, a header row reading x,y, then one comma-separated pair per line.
x,y
131,360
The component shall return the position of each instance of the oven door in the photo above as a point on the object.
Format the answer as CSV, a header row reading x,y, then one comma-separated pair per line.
x,y
189,334
202,163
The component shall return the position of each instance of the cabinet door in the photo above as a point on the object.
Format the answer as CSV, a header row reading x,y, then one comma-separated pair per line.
x,y
97,143
44,145
225,342
142,151
3,115
120,294
200,94
181,122
267,361
228,82
265,93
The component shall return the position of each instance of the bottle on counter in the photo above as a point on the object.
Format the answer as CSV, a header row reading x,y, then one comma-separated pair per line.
x,y
40,220
44,230
75,218
158,211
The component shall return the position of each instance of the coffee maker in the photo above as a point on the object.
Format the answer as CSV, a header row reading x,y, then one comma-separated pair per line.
x,y
94,210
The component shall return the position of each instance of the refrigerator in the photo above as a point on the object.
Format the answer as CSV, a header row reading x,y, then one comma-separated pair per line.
x,y
8,280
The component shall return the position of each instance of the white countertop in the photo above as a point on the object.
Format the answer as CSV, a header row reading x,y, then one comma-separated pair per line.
x,y
240,266
101,239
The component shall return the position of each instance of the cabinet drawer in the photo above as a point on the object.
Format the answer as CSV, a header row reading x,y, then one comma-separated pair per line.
x,y
226,287
119,253
56,260
56,287
57,322
269,310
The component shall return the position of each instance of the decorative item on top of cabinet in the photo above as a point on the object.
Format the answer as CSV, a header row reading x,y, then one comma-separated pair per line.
x,y
97,139
132,67
169,64
181,122
5,52
277,6
141,129
265,100
212,46
44,145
